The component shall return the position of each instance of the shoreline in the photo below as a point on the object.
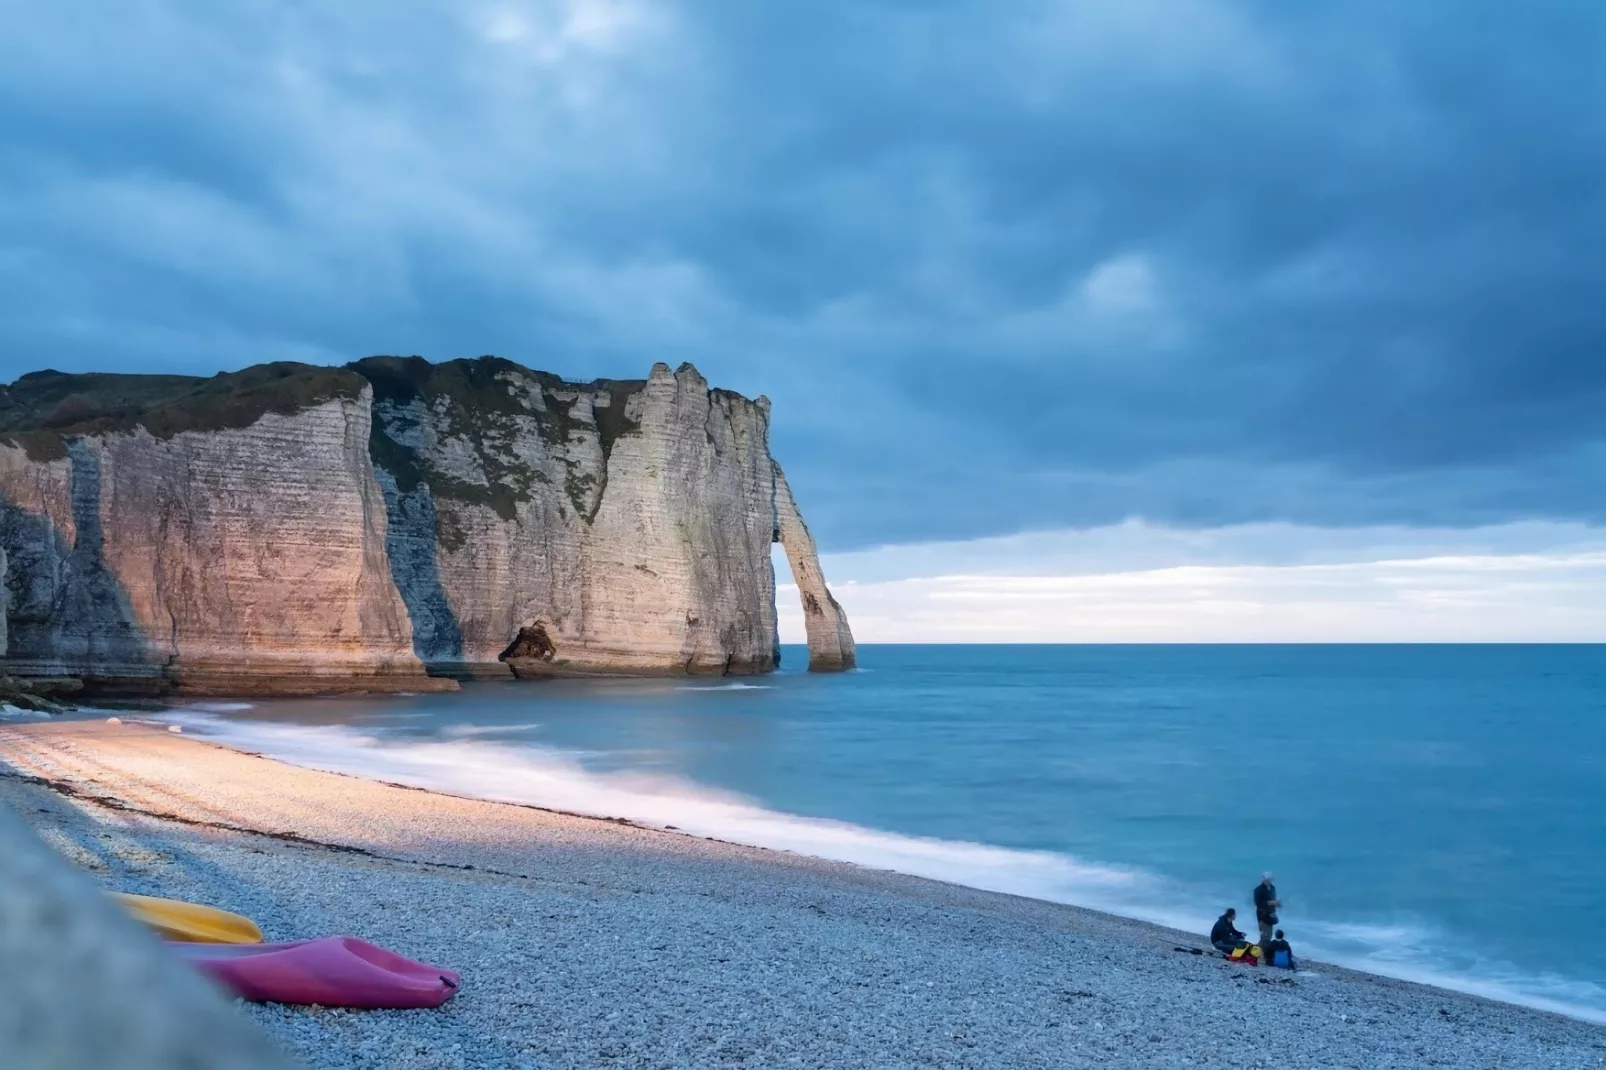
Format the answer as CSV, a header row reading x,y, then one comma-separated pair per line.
x,y
1058,985
547,780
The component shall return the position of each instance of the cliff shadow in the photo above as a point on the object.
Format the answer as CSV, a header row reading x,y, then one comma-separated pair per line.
x,y
67,611
412,543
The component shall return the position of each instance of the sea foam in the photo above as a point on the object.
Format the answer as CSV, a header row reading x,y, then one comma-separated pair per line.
x,y
543,777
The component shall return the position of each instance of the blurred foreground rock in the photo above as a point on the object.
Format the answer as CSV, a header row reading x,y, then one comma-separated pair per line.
x,y
86,989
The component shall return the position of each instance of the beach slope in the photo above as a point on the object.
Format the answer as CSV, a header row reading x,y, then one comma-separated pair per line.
x,y
591,943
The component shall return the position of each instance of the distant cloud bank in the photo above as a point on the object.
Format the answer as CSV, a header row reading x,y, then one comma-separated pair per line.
x,y
1362,586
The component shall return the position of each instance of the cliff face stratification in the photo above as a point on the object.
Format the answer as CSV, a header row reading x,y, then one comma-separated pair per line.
x,y
298,528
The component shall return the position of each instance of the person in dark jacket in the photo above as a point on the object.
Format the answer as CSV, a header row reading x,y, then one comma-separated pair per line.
x,y
1266,905
1224,937
1279,944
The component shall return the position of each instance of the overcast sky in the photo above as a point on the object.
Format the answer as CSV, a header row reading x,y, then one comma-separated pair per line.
x,y
1042,266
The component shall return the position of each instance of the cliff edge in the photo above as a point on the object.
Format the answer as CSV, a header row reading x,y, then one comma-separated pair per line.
x,y
390,525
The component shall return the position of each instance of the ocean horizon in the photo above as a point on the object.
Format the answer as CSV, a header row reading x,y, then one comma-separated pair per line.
x,y
1431,811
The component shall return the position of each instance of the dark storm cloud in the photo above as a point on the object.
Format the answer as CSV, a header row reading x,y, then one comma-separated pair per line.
x,y
999,266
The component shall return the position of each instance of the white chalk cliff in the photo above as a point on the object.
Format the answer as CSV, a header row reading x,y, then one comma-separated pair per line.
x,y
289,528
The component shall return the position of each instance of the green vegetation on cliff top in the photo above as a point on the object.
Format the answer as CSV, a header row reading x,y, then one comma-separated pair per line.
x,y
478,401
42,409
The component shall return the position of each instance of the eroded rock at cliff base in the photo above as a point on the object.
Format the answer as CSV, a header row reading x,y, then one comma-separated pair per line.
x,y
531,654
831,647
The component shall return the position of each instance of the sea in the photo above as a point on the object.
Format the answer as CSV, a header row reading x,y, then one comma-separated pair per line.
x,y
1434,813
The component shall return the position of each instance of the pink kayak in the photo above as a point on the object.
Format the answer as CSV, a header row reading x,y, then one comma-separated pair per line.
x,y
333,971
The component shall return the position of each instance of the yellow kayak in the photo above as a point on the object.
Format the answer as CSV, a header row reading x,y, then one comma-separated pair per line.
x,y
190,922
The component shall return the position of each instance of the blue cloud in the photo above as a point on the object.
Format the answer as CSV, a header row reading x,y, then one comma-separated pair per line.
x,y
1000,268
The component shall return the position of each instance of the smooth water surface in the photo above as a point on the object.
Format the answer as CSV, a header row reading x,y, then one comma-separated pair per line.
x,y
1434,812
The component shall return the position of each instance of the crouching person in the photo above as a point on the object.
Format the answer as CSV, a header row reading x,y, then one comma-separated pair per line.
x,y
1224,936
1278,953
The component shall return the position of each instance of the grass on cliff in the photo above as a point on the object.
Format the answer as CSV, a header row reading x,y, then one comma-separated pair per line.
x,y
42,409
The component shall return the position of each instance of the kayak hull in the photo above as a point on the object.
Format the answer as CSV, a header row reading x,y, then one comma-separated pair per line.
x,y
332,971
190,922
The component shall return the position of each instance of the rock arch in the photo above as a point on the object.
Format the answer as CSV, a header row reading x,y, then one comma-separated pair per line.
x,y
831,647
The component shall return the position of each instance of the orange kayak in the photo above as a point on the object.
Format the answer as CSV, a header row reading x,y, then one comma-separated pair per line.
x,y
190,922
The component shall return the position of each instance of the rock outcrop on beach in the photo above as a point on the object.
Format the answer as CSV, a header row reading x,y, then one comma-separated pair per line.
x,y
390,523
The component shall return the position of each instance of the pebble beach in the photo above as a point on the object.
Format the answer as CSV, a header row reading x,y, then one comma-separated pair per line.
x,y
586,942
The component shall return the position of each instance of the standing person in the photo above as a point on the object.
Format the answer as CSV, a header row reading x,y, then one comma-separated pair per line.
x,y
1266,905
1224,937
